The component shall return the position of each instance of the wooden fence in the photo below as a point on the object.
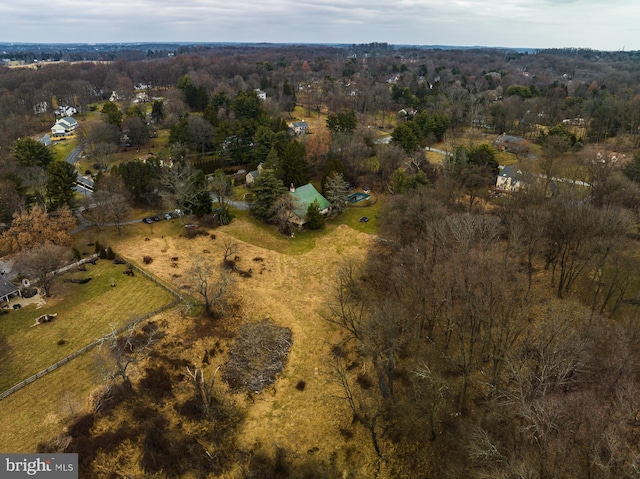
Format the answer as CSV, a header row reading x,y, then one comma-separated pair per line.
x,y
178,299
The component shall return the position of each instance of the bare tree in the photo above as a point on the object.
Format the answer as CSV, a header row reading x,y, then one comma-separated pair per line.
x,y
431,393
283,213
185,188
109,203
222,190
41,263
209,284
204,386
128,349
346,309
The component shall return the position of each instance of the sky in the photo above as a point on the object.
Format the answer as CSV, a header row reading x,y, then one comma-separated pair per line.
x,y
597,24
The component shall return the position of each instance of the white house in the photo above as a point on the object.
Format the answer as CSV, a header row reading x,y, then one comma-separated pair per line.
x,y
300,127
64,127
261,94
253,175
510,179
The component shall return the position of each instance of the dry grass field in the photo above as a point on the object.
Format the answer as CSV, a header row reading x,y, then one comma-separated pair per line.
x,y
292,290
291,286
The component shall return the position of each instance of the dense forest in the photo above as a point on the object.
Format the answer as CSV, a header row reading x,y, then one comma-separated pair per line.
x,y
486,334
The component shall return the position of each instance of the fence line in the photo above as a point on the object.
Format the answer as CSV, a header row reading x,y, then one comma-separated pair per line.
x,y
177,300
85,349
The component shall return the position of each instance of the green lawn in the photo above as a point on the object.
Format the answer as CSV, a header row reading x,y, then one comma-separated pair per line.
x,y
61,149
246,228
40,410
85,313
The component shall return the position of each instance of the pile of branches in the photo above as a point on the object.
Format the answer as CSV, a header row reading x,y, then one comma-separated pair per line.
x,y
258,355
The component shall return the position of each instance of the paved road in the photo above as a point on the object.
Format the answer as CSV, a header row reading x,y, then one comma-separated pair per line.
x,y
239,205
84,185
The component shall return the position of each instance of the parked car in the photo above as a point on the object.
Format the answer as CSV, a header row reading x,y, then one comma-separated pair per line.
x,y
148,220
167,216
364,219
155,218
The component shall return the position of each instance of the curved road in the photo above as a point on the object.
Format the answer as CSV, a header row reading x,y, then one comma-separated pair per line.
x,y
84,185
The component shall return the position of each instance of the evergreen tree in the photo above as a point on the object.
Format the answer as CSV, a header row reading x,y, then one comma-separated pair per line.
x,y
30,152
157,111
315,219
112,114
294,169
61,181
266,190
336,190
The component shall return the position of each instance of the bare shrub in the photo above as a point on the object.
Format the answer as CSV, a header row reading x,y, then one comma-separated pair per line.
x,y
258,355
157,382
147,259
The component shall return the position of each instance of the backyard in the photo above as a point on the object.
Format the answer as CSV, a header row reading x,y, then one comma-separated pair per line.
x,y
84,313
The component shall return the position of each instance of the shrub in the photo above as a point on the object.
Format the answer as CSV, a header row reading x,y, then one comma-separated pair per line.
x,y
110,254
147,259
157,382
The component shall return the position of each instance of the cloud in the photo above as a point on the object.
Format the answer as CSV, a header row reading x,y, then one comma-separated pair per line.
x,y
531,23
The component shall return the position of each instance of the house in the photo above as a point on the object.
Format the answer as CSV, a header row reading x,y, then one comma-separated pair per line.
x,y
7,289
64,127
261,94
511,144
141,97
41,107
407,113
65,111
511,180
303,197
300,127
253,175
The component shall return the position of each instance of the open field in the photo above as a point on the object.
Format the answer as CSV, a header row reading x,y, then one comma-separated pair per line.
x,y
291,284
40,410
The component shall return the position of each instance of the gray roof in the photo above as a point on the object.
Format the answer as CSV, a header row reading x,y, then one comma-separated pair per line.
x,y
7,288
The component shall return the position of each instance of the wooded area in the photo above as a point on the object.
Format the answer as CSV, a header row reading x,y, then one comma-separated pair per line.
x,y
488,333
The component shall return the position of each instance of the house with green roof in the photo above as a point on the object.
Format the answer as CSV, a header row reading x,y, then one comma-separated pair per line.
x,y
303,196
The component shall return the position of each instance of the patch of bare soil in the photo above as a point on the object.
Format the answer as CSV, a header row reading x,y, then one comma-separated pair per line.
x,y
301,416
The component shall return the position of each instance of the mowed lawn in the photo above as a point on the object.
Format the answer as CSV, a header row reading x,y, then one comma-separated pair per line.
x,y
85,312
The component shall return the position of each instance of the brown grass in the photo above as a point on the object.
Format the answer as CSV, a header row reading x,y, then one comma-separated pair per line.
x,y
292,291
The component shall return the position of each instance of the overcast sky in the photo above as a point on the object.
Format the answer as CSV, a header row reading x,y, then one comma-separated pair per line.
x,y
597,24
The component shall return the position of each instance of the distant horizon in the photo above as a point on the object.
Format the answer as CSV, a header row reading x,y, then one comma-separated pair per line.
x,y
328,44
547,24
